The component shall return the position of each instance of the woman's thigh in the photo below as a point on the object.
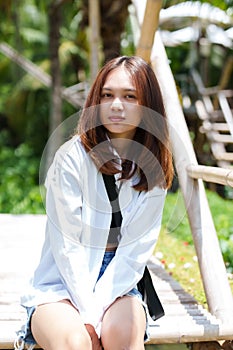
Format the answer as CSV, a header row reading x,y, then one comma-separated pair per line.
x,y
59,326
124,325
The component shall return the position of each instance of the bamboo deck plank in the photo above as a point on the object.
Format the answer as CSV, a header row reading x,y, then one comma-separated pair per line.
x,y
21,239
185,321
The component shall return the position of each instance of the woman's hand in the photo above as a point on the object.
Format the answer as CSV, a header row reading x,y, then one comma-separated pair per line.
x,y
96,344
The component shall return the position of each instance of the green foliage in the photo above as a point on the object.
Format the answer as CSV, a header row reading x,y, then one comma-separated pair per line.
x,y
179,259
24,100
175,248
221,210
176,223
222,4
193,54
127,40
19,190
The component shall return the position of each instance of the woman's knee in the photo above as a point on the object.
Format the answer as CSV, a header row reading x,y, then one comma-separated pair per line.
x,y
58,326
123,336
73,341
124,325
78,342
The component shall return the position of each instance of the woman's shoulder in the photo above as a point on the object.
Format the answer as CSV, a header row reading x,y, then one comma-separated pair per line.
x,y
157,191
72,145
70,155
72,148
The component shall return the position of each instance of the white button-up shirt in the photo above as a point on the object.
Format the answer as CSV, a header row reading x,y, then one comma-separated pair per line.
x,y
78,222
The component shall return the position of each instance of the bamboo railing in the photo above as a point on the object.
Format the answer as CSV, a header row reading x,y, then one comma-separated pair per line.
x,y
212,268
73,94
217,175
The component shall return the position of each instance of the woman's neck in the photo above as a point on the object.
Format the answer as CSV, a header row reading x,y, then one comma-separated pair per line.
x,y
121,143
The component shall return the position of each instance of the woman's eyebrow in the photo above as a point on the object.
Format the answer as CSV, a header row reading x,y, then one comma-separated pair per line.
x,y
124,89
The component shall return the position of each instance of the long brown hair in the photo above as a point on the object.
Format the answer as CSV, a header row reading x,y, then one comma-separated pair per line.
x,y
153,159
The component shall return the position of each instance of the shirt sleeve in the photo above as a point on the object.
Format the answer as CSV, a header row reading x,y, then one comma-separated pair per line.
x,y
64,208
137,244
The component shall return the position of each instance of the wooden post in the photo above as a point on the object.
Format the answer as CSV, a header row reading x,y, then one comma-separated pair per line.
x,y
148,28
212,268
94,23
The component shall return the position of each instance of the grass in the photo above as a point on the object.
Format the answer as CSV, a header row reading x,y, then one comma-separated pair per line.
x,y
175,247
179,259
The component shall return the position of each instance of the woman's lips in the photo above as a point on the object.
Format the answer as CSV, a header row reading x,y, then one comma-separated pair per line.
x,y
116,119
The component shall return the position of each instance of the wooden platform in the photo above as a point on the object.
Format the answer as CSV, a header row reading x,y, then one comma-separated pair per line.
x,y
21,239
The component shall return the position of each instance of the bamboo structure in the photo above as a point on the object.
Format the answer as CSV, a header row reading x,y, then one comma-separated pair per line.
x,y
226,74
226,110
212,268
216,124
25,64
69,94
94,23
148,28
227,70
185,320
211,174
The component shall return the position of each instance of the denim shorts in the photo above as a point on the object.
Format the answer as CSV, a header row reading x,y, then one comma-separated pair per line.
x,y
25,334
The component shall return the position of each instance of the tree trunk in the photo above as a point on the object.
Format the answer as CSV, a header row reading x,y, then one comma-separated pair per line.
x,y
113,15
54,36
18,42
55,117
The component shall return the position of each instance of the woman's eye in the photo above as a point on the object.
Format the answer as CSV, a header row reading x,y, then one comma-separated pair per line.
x,y
131,98
106,95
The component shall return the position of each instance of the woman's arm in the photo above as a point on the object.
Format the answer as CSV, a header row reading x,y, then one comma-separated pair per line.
x,y
64,211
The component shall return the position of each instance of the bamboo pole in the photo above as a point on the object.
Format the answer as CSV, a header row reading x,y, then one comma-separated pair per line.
x,y
211,174
35,71
148,28
226,110
225,76
26,64
212,268
94,23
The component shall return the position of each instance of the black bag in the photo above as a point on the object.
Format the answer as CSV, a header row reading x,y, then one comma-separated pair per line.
x,y
145,285
149,295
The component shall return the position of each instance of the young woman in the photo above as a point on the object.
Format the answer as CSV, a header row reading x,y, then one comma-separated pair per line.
x,y
84,292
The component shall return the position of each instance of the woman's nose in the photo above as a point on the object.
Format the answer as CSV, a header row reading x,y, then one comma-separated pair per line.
x,y
117,104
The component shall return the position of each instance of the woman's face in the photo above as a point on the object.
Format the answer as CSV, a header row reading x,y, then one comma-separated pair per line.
x,y
119,107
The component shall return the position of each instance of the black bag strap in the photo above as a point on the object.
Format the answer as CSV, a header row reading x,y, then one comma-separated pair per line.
x,y
146,288
110,185
145,285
